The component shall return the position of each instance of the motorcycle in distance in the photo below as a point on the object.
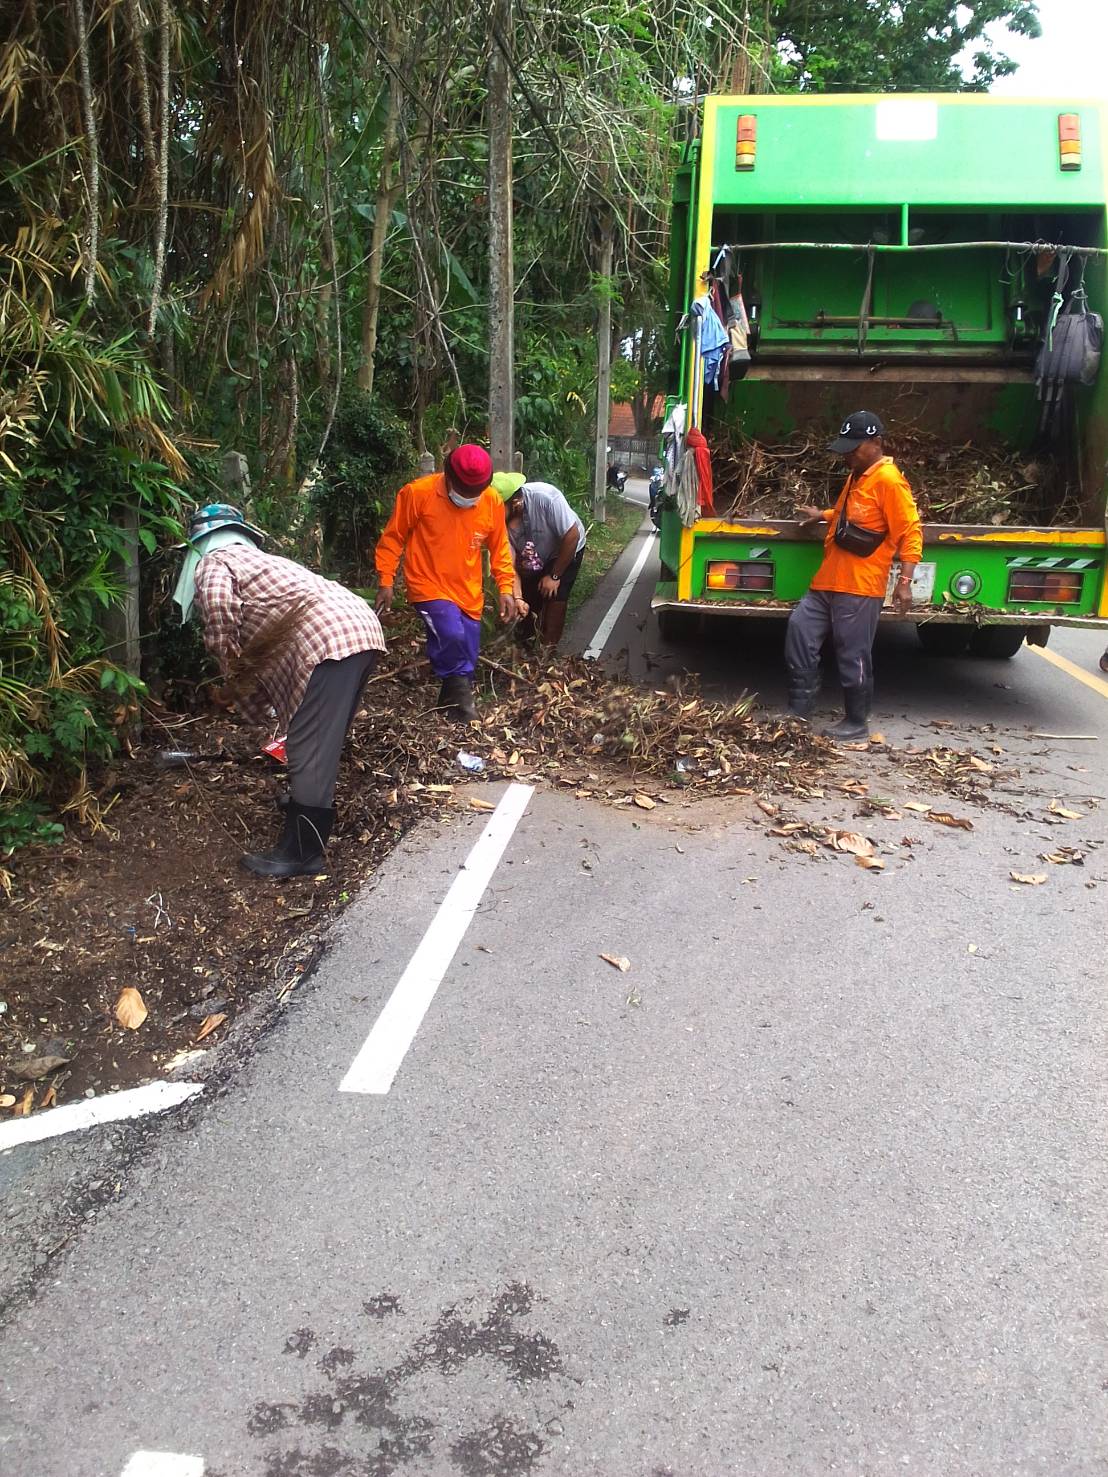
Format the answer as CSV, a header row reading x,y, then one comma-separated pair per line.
x,y
656,488
617,478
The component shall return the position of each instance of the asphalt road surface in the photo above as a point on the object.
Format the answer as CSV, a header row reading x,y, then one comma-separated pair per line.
x,y
818,1185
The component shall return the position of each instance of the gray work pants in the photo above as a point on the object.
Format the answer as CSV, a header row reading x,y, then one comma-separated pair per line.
x,y
851,622
320,724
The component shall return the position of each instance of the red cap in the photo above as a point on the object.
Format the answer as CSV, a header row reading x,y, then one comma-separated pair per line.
x,y
471,467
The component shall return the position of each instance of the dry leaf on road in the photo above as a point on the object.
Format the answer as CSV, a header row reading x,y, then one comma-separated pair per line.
x,y
7,1100
981,765
1029,879
644,802
130,1011
617,961
852,842
1065,855
209,1024
944,818
917,806
476,803
767,806
26,1103
1068,815
871,863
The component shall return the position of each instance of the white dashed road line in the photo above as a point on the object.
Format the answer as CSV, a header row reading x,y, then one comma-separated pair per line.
x,y
615,610
155,1097
163,1464
379,1060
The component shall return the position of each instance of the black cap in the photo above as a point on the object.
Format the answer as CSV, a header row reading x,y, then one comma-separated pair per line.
x,y
858,427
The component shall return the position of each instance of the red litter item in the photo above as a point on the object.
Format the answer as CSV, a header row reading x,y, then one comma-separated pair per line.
x,y
276,749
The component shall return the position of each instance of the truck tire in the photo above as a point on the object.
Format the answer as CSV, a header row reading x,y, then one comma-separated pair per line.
x,y
677,625
998,643
943,640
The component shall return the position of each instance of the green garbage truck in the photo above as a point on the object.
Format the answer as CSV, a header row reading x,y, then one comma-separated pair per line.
x,y
924,257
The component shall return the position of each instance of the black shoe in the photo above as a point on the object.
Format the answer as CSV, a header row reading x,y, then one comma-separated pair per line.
x,y
854,727
299,852
803,692
456,697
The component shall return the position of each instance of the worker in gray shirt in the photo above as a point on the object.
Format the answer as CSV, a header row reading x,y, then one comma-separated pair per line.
x,y
548,543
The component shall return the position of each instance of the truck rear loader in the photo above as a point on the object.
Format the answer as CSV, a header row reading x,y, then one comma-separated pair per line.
x,y
916,256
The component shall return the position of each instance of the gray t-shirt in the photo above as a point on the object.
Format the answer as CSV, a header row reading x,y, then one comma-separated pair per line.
x,y
547,518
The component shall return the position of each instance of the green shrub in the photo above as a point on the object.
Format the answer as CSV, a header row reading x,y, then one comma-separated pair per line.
x,y
369,455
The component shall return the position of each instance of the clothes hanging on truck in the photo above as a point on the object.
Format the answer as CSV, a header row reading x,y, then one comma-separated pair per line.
x,y
673,446
1071,348
712,338
694,480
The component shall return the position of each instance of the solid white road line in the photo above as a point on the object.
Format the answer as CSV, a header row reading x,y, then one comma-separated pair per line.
x,y
163,1464
379,1060
133,1103
615,610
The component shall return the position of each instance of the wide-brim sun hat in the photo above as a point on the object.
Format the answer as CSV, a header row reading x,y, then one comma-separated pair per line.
x,y
215,516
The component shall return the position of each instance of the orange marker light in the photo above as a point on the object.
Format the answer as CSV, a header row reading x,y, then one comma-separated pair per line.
x,y
1069,140
746,141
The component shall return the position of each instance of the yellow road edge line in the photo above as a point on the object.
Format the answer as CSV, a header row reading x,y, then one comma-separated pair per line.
x,y
1064,664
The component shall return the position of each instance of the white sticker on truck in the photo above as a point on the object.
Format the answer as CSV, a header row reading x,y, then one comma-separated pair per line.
x,y
907,120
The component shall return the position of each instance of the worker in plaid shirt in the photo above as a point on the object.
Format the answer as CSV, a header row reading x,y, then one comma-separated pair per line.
x,y
291,643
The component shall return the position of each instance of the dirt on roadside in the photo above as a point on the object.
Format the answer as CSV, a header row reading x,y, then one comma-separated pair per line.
x,y
154,900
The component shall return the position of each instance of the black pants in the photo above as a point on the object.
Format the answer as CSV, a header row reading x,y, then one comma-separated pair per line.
x,y
851,622
318,728
529,585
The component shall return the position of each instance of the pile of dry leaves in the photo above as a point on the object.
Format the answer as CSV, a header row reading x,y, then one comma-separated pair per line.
x,y
129,946
967,483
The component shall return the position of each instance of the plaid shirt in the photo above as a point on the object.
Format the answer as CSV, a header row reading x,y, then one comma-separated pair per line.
x,y
242,593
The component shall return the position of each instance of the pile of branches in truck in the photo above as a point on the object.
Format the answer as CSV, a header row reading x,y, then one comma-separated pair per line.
x,y
953,483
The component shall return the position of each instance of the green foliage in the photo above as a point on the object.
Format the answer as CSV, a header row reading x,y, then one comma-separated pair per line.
x,y
24,823
888,46
368,456
554,424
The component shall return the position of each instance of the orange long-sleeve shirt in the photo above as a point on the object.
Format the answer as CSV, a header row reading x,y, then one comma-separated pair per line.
x,y
879,498
442,545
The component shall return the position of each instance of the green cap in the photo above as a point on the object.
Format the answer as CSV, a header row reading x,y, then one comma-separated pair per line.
x,y
507,484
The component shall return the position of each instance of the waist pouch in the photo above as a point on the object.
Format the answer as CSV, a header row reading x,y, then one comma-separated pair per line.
x,y
854,538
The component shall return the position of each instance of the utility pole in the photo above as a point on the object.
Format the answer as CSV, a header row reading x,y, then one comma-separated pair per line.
x,y
501,267
603,370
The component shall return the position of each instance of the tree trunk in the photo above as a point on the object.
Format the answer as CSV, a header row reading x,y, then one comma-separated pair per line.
x,y
603,373
501,273
386,195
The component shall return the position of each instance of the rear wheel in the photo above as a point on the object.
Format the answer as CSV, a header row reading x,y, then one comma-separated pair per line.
x,y
943,640
996,642
677,625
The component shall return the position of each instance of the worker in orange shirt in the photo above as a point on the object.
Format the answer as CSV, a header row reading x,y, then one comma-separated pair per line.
x,y
874,521
441,525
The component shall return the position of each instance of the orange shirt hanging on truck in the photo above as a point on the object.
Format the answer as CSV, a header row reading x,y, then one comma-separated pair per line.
x,y
879,499
442,545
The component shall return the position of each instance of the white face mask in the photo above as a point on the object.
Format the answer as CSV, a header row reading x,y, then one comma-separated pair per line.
x,y
462,502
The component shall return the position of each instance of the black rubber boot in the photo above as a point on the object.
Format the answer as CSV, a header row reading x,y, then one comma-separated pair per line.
x,y
854,726
803,691
456,697
299,851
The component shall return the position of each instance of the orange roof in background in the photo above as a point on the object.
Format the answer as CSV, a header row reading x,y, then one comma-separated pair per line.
x,y
622,419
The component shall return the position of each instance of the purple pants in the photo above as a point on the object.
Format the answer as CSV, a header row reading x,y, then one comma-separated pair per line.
x,y
453,638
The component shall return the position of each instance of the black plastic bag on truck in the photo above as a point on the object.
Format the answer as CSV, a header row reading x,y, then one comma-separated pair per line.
x,y
1070,352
